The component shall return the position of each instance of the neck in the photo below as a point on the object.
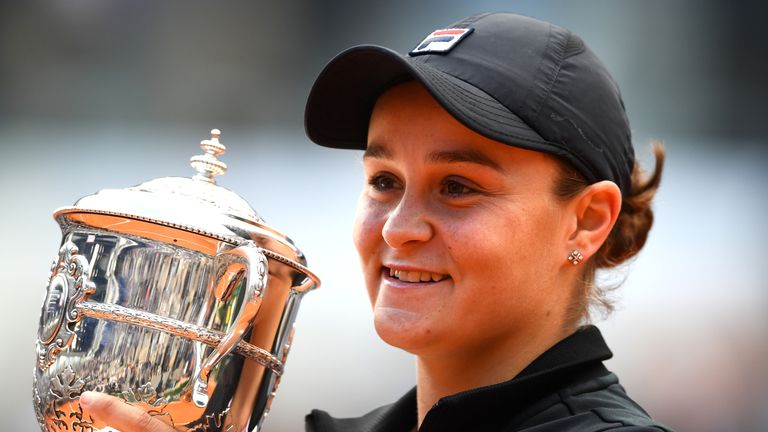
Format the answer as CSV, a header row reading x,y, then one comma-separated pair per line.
x,y
447,373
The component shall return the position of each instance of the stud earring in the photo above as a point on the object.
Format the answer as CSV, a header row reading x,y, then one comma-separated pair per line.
x,y
575,257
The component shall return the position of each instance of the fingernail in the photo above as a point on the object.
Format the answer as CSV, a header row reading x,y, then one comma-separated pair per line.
x,y
86,399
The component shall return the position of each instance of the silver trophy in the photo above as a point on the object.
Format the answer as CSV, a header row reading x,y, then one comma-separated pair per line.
x,y
173,295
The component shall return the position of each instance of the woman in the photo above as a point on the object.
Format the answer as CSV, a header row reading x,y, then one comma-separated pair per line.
x,y
499,176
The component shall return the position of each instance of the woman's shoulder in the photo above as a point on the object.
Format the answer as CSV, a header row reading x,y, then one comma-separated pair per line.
x,y
395,417
599,404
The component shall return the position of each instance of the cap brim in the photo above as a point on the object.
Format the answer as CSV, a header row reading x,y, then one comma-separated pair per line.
x,y
341,100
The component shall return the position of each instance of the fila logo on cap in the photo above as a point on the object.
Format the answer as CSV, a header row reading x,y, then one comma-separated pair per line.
x,y
440,41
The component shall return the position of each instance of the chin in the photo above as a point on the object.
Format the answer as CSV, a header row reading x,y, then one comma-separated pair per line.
x,y
402,329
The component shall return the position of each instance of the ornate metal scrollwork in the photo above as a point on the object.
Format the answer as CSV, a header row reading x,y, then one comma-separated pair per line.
x,y
61,412
69,284
212,422
145,394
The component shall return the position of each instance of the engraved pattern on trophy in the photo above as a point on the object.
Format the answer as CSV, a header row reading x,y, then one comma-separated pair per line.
x,y
163,286
38,403
61,411
213,422
64,413
146,394
68,285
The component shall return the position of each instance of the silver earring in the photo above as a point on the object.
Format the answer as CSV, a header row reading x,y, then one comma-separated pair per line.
x,y
575,257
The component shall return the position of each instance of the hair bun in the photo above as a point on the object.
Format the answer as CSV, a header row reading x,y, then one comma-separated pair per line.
x,y
636,217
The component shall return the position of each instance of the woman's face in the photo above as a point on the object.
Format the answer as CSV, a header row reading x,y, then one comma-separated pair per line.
x,y
461,238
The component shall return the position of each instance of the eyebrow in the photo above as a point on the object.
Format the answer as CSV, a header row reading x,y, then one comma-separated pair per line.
x,y
378,151
470,155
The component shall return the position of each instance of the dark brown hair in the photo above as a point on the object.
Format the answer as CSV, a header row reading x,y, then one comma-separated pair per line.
x,y
627,236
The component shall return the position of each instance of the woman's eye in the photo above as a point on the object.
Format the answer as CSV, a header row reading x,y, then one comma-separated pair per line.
x,y
382,182
456,189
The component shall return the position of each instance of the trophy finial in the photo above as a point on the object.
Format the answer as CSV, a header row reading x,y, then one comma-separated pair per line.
x,y
208,165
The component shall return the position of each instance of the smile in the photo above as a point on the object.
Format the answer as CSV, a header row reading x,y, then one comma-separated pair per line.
x,y
416,276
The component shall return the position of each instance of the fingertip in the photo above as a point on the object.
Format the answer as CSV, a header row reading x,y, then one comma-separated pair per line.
x,y
86,399
96,402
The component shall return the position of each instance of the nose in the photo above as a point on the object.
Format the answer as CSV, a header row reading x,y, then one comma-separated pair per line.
x,y
408,223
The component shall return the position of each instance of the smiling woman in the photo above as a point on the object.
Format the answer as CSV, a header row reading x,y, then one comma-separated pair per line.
x,y
462,241
499,175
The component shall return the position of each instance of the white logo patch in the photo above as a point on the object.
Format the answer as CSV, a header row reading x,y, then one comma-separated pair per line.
x,y
441,41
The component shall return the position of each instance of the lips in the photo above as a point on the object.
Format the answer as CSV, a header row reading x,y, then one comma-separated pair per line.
x,y
413,276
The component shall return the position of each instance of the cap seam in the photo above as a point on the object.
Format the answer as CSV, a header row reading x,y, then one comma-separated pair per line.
x,y
552,82
538,68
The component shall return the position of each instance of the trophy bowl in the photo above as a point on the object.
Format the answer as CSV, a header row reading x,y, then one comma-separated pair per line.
x,y
173,295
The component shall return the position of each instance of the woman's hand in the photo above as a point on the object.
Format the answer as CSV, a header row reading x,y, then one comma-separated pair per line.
x,y
119,415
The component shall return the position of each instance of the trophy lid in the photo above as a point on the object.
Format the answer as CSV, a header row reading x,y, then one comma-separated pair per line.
x,y
191,212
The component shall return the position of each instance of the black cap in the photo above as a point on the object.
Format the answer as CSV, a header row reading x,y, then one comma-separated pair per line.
x,y
514,79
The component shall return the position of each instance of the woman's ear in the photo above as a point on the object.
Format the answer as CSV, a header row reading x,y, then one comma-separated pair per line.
x,y
596,209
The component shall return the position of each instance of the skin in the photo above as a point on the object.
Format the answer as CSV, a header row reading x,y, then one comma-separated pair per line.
x,y
463,246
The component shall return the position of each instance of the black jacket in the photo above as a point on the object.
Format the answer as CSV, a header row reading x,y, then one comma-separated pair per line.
x,y
566,389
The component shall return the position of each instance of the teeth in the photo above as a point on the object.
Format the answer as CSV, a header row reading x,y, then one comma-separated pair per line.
x,y
414,276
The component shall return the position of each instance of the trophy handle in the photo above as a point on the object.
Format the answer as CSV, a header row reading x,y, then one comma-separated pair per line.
x,y
245,261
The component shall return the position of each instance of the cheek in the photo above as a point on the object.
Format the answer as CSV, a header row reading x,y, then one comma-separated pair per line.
x,y
366,233
506,245
367,228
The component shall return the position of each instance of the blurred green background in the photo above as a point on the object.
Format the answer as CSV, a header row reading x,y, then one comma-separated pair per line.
x,y
104,94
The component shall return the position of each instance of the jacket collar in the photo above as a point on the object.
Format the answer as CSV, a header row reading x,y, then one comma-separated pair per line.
x,y
577,357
